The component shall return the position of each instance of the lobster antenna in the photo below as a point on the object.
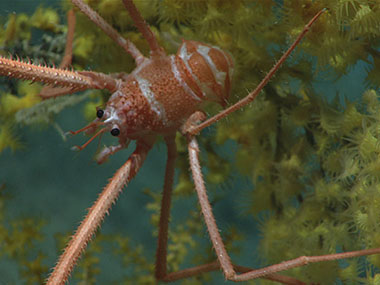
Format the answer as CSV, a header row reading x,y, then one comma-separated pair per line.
x,y
251,96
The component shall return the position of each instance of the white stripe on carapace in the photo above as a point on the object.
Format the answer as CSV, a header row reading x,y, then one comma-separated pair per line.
x,y
185,56
228,60
156,106
177,76
220,76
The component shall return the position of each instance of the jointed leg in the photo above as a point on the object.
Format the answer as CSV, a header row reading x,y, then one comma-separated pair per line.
x,y
163,230
71,80
68,56
96,214
212,228
110,150
126,44
221,253
161,254
98,80
64,81
155,48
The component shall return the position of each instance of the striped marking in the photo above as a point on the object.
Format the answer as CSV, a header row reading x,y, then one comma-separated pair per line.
x,y
220,76
228,60
177,76
144,86
185,56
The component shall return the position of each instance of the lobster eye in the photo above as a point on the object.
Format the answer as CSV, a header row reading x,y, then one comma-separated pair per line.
x,y
115,132
99,113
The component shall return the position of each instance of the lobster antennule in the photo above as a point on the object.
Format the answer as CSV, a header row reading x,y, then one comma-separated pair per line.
x,y
85,128
77,147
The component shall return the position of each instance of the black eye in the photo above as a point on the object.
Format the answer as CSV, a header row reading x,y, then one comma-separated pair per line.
x,y
99,113
115,132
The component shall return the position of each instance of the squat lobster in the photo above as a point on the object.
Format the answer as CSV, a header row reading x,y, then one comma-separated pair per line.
x,y
161,96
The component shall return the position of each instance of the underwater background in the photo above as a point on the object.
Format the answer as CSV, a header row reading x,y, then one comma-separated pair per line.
x,y
294,141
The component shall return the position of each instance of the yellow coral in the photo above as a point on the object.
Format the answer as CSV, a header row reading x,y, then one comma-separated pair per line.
x,y
8,139
46,19
17,27
10,104
90,107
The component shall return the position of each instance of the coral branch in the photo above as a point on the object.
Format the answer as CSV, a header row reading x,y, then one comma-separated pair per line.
x,y
46,75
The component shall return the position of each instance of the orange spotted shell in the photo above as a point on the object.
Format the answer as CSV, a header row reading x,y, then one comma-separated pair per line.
x,y
160,94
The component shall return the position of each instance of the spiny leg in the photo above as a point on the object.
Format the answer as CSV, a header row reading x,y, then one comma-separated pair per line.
x,y
161,253
96,214
100,80
44,74
126,44
223,258
60,81
64,81
71,81
108,151
161,261
251,96
155,48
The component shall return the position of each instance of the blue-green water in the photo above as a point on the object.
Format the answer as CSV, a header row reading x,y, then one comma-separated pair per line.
x,y
49,181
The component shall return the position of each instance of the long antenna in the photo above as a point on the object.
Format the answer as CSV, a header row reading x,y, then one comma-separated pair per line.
x,y
250,97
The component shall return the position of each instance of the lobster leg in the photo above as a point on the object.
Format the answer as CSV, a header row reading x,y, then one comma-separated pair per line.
x,y
71,80
161,254
222,255
126,44
96,214
61,80
99,80
155,48
68,56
